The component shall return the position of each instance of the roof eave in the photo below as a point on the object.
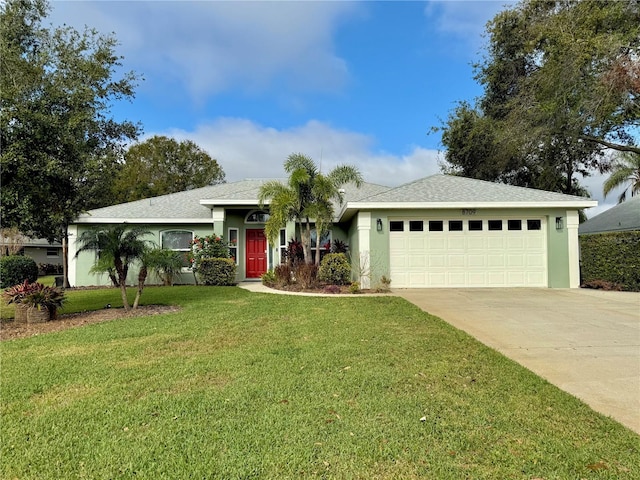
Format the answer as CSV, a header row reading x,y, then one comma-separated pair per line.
x,y
229,202
93,220
449,205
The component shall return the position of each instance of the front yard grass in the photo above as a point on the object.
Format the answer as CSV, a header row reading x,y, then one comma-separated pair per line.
x,y
241,385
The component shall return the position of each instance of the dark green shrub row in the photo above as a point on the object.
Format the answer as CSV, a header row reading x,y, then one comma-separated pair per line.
x,y
50,268
611,257
217,271
15,269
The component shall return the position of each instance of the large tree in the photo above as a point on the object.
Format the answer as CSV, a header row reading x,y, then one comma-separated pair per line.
x,y
306,198
57,86
161,165
561,82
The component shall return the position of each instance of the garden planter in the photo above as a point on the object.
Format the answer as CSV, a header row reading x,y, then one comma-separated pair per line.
x,y
35,315
21,313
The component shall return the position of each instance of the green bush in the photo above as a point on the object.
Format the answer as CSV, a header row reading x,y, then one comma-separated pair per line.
x,y
268,278
335,269
15,269
217,271
611,257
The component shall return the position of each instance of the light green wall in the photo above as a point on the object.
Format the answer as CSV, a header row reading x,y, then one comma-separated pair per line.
x,y
85,260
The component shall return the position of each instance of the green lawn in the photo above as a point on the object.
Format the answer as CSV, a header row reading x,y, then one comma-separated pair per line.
x,y
241,385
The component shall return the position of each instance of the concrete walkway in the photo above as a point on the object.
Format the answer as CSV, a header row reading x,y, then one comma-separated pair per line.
x,y
587,342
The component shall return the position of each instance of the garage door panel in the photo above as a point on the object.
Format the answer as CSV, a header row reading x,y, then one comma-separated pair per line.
x,y
496,279
456,243
475,260
456,260
515,261
495,260
468,258
495,243
475,242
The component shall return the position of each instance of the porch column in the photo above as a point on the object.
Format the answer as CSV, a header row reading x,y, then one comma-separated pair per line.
x,y
574,248
364,245
218,214
72,248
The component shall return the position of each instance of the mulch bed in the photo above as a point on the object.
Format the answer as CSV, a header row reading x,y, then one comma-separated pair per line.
x,y
10,330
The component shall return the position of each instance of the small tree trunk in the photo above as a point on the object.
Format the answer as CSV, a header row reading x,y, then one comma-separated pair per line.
x,y
123,293
142,276
305,235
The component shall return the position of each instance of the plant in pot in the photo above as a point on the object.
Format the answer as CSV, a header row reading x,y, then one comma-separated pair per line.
x,y
34,302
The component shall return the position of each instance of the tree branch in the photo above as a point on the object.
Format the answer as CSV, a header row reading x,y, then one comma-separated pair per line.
x,y
614,146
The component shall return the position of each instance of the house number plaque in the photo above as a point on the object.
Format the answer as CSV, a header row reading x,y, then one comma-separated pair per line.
x,y
468,211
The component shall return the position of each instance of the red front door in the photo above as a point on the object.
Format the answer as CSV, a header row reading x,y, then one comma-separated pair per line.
x,y
256,253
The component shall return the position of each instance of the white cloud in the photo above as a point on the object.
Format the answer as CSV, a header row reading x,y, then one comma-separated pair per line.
x,y
245,149
464,20
209,47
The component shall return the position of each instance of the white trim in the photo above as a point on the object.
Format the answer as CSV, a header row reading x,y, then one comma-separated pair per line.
x,y
218,214
251,212
164,220
364,245
230,201
573,222
72,248
497,204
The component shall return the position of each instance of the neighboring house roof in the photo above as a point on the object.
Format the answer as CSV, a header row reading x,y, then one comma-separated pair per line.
x,y
624,216
32,242
437,191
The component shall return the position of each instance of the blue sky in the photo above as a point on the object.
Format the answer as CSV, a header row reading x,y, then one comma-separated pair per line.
x,y
343,82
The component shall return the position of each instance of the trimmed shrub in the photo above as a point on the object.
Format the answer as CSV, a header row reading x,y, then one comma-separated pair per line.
x,y
15,269
217,271
611,257
354,287
335,269
50,269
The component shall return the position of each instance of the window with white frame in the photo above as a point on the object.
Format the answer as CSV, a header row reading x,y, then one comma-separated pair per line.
x,y
233,244
257,216
53,253
179,241
282,245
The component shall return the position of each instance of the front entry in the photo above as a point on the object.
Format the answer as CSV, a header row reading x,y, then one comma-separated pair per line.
x,y
256,253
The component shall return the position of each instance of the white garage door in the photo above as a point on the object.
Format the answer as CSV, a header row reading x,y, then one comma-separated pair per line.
x,y
462,252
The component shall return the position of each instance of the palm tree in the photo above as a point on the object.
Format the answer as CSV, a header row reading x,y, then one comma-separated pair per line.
x,y
121,245
307,196
626,169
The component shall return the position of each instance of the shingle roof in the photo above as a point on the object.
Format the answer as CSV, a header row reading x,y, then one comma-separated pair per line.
x,y
186,205
453,189
443,189
625,216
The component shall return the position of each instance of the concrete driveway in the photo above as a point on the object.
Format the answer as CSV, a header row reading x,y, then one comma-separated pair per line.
x,y
587,342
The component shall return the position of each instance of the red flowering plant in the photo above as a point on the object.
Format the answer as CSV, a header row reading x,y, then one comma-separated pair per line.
x,y
211,246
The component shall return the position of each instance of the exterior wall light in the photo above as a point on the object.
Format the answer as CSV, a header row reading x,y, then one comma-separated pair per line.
x,y
379,224
559,223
